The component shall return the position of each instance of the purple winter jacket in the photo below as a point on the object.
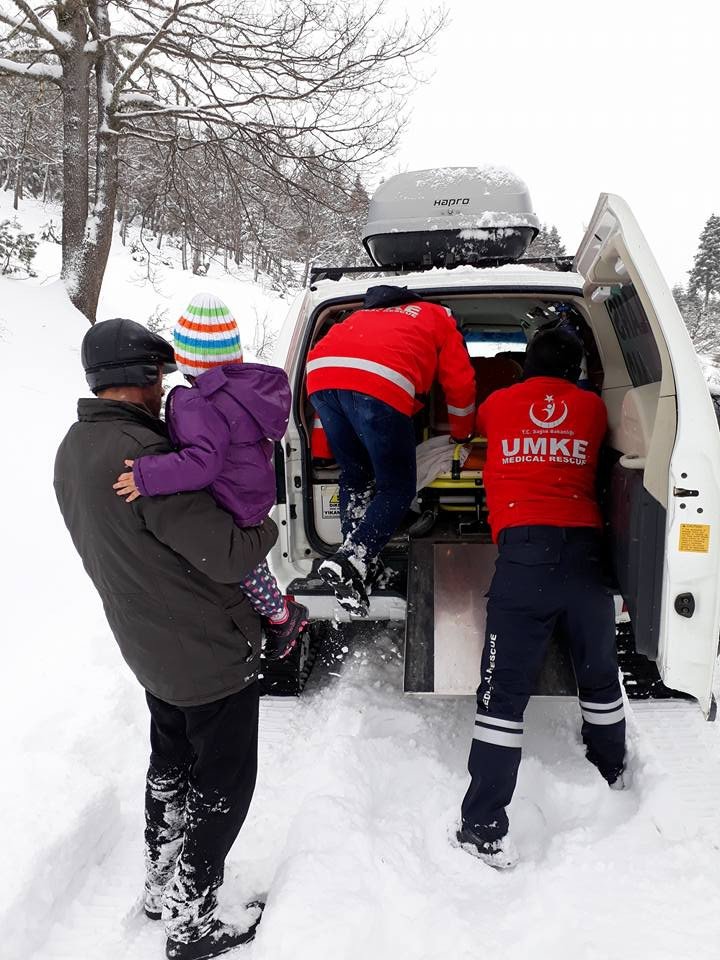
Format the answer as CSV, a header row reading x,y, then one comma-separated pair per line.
x,y
223,426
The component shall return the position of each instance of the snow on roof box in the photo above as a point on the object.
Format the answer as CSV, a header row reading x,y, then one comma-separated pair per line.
x,y
448,217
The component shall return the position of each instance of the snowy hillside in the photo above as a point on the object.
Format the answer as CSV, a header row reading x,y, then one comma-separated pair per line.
x,y
145,283
359,787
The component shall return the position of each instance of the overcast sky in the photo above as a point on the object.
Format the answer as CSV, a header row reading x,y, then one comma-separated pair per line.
x,y
580,98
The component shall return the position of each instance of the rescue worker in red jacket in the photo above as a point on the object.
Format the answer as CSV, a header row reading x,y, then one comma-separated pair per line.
x,y
543,441
365,379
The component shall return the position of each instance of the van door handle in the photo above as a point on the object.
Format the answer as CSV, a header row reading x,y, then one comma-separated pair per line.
x,y
682,492
631,462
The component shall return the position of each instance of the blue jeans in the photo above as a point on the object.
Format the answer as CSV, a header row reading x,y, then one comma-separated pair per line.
x,y
374,445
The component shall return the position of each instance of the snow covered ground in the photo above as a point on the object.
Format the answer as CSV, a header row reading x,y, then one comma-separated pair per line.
x,y
144,283
359,786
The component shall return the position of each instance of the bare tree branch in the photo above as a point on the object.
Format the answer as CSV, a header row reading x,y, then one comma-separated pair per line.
x,y
19,26
58,40
142,56
265,110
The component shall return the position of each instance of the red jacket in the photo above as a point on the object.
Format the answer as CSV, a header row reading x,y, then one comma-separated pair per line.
x,y
544,437
394,354
319,443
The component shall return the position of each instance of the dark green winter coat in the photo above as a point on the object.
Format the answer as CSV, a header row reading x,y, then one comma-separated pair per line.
x,y
166,568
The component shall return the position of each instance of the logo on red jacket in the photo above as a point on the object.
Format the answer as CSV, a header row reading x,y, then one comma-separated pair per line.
x,y
550,409
538,444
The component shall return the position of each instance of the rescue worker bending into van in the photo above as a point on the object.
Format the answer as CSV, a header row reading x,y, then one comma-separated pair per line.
x,y
543,440
365,378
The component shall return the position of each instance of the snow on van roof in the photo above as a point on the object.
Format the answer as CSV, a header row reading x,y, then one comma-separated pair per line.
x,y
510,275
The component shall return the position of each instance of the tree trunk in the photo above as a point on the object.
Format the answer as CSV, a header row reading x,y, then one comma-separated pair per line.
x,y
76,121
89,241
124,224
197,254
87,234
19,176
46,180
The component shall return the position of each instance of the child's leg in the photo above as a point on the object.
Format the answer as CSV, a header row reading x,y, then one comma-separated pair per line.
x,y
261,589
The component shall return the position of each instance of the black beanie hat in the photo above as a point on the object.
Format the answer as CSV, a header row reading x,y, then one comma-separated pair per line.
x,y
387,295
554,353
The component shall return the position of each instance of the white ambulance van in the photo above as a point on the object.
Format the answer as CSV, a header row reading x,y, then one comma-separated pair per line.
x,y
457,236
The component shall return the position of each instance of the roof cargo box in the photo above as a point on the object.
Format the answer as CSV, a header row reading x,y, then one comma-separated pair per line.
x,y
449,217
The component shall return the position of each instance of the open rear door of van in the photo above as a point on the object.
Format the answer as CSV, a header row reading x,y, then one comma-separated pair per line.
x,y
666,518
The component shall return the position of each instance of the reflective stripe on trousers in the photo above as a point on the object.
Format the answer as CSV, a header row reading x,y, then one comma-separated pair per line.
x,y
603,714
501,733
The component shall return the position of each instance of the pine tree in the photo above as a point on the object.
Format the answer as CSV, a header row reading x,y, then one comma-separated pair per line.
x,y
705,274
548,243
703,323
17,249
690,309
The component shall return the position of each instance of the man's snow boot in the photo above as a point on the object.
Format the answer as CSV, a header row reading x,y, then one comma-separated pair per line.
x,y
377,575
621,781
219,940
346,582
152,901
501,854
281,638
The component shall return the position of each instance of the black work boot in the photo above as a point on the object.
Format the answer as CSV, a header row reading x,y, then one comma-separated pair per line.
x,y
346,582
221,938
500,854
619,780
281,638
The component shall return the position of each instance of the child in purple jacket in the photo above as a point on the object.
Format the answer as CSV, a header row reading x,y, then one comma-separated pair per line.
x,y
223,426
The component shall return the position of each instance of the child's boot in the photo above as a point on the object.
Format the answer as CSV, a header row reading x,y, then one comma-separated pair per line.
x,y
282,633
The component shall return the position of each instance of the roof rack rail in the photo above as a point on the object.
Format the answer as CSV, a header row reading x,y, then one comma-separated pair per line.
x,y
563,264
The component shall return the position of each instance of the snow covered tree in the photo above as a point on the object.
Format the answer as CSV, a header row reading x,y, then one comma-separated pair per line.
x,y
548,243
280,82
17,249
30,141
705,273
326,214
703,322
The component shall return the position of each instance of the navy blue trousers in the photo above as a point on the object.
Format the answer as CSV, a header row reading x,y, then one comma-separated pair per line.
x,y
545,577
374,445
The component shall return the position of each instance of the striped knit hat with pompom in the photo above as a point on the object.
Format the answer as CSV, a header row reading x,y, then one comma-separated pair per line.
x,y
206,336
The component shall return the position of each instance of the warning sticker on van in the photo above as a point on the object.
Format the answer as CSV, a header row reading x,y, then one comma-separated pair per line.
x,y
330,498
695,537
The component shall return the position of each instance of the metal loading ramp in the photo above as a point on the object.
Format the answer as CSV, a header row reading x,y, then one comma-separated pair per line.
x,y
445,628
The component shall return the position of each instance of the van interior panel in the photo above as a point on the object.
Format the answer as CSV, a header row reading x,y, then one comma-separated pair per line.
x,y
637,533
445,629
637,420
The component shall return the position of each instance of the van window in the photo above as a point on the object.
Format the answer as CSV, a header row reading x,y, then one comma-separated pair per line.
x,y
488,343
635,336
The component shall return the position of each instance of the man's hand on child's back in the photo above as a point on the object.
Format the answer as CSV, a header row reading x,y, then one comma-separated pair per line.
x,y
125,485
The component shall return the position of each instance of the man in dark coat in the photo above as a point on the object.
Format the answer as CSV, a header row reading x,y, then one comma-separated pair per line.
x,y
167,570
